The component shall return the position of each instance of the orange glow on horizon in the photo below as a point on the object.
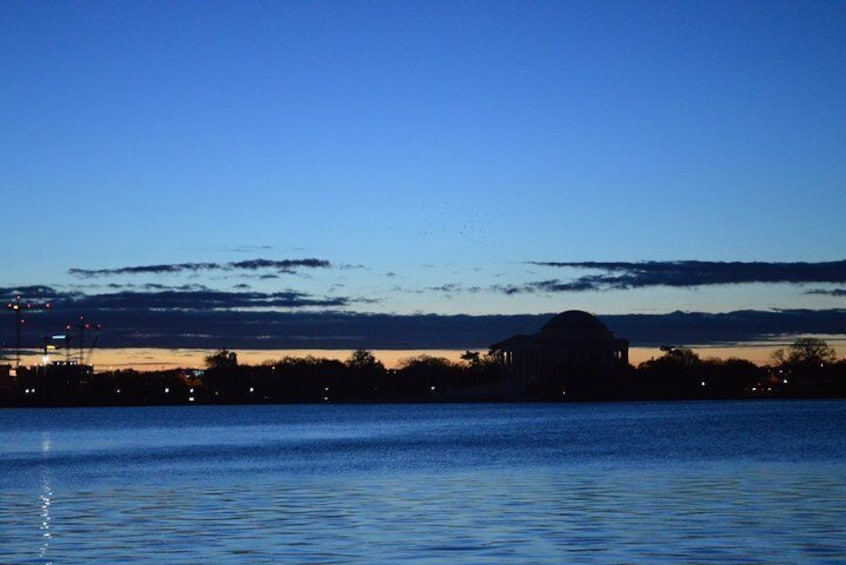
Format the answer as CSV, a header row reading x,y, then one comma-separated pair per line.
x,y
150,359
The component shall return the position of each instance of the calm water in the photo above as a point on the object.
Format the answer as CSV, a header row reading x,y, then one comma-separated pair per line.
x,y
575,483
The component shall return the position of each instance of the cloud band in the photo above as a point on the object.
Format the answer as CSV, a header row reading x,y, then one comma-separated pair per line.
x,y
283,265
631,275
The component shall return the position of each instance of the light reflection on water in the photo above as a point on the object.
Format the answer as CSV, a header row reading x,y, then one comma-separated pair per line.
x,y
46,500
706,482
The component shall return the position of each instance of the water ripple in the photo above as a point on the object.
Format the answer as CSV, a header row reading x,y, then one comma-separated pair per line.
x,y
472,484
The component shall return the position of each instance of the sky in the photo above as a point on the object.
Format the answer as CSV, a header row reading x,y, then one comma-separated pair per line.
x,y
196,174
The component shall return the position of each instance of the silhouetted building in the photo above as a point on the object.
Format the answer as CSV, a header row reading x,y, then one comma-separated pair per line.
x,y
572,344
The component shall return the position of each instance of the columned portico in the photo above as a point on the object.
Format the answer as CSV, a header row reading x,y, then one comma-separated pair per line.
x,y
572,341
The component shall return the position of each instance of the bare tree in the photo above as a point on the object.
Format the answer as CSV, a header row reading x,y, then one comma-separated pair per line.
x,y
805,351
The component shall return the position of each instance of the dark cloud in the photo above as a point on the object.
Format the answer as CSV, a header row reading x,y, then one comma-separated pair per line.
x,y
144,269
447,288
452,288
283,265
728,328
509,288
552,285
837,292
38,293
216,319
206,299
147,286
628,275
172,314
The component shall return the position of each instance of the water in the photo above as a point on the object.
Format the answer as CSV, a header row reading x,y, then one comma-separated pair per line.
x,y
752,482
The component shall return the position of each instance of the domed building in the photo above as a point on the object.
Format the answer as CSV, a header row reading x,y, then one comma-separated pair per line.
x,y
571,344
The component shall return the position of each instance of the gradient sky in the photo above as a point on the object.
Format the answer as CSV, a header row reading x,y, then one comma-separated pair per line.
x,y
439,157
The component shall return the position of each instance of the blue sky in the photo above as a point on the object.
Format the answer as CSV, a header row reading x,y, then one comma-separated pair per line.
x,y
439,156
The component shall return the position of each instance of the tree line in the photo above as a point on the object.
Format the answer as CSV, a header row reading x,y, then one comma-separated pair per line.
x,y
806,369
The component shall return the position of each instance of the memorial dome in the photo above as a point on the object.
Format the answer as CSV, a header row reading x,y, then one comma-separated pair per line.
x,y
576,323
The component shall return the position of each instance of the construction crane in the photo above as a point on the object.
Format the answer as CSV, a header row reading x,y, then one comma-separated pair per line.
x,y
96,329
18,307
82,326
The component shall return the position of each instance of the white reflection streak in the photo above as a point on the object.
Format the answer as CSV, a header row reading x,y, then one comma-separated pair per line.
x,y
46,500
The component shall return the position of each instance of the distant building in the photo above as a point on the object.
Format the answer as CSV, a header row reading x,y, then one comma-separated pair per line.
x,y
574,345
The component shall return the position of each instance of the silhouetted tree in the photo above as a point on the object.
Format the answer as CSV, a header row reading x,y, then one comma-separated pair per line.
x,y
363,360
425,374
366,375
806,367
222,359
478,369
676,374
680,357
729,378
806,351
472,358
